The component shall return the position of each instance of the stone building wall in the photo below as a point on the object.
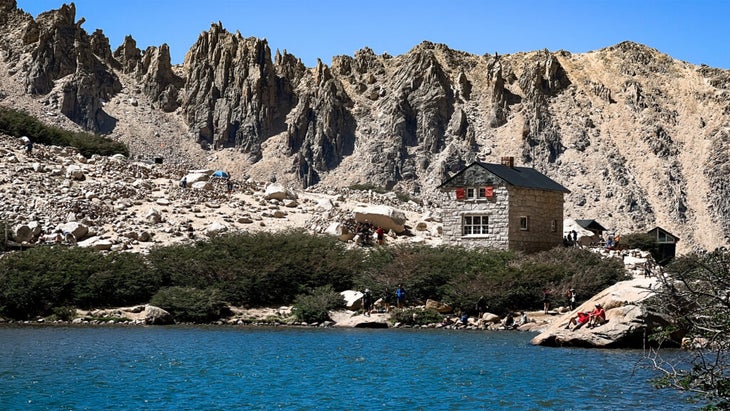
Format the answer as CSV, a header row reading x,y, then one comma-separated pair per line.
x,y
497,209
504,210
544,213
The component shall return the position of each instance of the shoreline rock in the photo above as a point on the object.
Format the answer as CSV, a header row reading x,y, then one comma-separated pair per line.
x,y
629,321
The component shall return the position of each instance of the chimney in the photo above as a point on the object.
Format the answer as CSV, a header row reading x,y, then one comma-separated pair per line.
x,y
508,162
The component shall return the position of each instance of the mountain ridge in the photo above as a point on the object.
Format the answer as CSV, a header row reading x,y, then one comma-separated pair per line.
x,y
640,139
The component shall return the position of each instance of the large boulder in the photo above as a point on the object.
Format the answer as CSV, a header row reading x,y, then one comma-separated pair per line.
x,y
353,299
153,216
215,228
442,308
347,319
75,172
194,176
78,230
201,185
276,191
325,204
102,244
26,232
340,231
629,319
380,215
490,318
157,316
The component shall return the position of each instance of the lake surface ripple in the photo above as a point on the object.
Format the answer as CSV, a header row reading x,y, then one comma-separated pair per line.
x,y
227,368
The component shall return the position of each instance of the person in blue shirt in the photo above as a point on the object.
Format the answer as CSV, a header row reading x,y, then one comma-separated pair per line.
x,y
400,293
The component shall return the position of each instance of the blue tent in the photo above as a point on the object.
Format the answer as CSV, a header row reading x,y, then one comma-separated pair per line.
x,y
221,174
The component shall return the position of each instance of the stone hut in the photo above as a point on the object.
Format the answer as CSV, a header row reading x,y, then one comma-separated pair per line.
x,y
503,207
666,245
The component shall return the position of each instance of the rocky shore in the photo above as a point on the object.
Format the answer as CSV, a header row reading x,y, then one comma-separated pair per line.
x,y
628,323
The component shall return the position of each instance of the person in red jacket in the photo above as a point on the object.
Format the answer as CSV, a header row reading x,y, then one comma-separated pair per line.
x,y
598,316
381,235
580,319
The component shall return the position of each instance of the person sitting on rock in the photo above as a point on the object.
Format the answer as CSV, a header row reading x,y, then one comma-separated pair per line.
x,y
598,316
508,321
579,319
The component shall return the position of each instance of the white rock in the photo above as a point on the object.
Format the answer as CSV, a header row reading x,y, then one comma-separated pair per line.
x,y
275,191
325,204
74,172
22,233
153,216
383,216
628,318
340,231
103,245
195,176
353,299
77,229
157,316
215,228
201,185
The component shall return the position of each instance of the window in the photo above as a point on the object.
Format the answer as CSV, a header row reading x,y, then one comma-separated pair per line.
x,y
475,225
476,193
554,226
665,238
524,223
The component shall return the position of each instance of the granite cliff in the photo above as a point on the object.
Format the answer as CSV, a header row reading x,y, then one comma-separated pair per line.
x,y
640,139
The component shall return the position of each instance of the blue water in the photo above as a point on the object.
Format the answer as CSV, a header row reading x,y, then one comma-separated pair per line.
x,y
226,368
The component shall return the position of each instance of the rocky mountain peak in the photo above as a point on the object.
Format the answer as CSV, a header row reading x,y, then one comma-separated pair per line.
x,y
234,96
128,55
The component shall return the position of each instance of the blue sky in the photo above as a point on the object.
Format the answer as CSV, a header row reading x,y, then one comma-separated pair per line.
x,y
693,31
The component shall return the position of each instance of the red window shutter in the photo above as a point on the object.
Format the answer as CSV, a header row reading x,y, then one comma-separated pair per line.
x,y
489,191
460,194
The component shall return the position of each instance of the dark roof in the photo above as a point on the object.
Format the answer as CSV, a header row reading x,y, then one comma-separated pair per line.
x,y
590,225
525,177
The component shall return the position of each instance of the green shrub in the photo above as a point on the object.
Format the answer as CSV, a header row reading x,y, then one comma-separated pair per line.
x,y
559,270
191,304
641,241
4,235
272,269
450,274
508,281
315,307
259,269
35,281
63,314
417,316
18,123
